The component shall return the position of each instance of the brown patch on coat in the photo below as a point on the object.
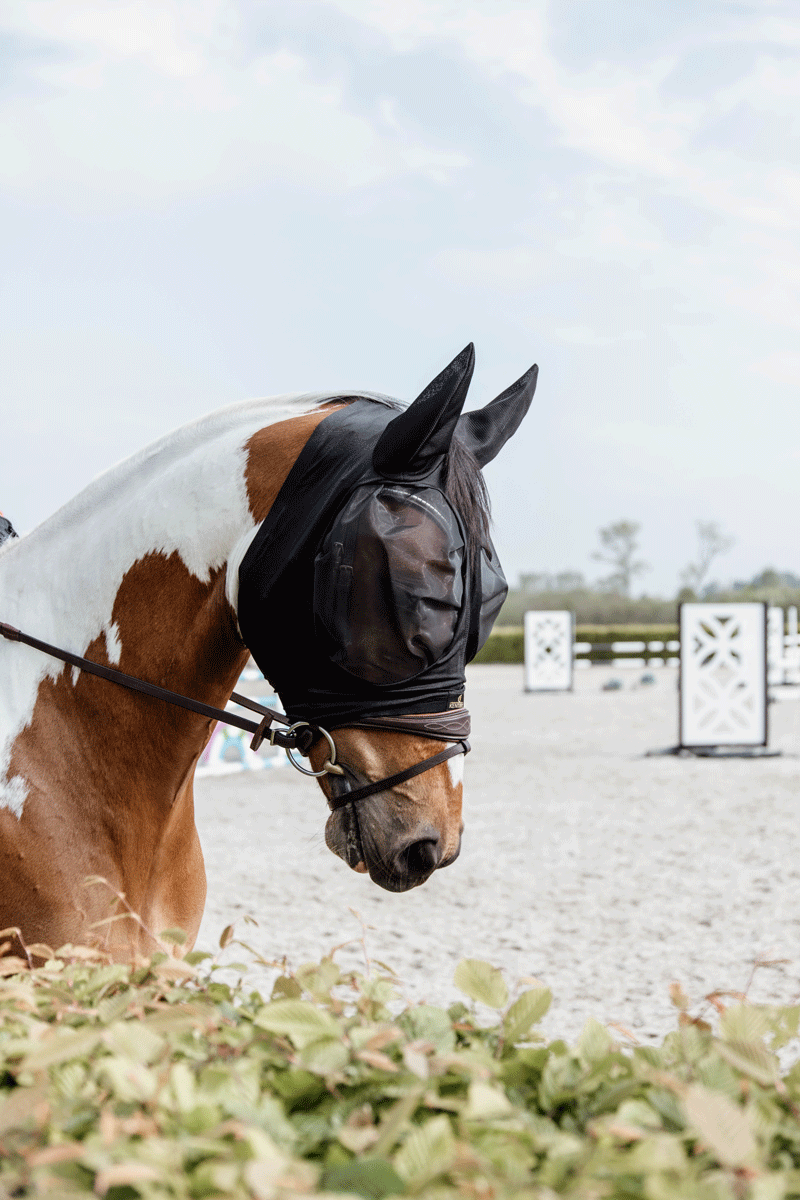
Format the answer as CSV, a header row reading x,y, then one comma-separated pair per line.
x,y
109,770
271,454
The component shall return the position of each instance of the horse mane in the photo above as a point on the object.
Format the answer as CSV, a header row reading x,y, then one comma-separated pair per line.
x,y
465,486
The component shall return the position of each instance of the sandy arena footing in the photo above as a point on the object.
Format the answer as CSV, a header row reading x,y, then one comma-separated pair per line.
x,y
602,873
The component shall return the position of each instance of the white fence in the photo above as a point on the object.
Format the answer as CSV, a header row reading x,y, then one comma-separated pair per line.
x,y
658,654
783,646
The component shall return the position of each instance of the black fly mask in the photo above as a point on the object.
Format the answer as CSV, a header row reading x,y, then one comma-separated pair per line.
x,y
364,593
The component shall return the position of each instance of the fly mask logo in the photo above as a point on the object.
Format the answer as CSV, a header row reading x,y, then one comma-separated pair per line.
x,y
361,593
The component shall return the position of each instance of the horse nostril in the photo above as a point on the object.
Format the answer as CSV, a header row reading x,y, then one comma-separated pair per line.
x,y
421,857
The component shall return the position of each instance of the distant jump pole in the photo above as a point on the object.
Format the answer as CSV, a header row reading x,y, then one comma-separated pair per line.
x,y
549,656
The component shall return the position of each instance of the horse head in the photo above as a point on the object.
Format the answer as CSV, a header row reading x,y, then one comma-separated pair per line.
x,y
369,584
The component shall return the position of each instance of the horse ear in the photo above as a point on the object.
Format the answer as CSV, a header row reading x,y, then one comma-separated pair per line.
x,y
486,430
418,437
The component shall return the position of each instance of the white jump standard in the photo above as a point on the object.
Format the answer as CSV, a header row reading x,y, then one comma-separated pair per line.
x,y
549,656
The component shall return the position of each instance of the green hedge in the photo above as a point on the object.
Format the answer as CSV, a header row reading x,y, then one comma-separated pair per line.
x,y
506,645
158,1081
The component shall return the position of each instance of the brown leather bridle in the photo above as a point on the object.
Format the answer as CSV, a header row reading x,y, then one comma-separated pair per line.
x,y
452,726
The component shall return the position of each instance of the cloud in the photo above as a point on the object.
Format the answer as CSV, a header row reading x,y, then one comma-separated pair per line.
x,y
783,367
581,335
508,269
635,134
143,101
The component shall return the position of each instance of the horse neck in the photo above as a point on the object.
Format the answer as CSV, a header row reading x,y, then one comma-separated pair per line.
x,y
133,571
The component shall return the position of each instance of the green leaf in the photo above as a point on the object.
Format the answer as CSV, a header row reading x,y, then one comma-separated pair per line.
x,y
428,1151
744,1023
372,1178
61,1046
194,957
722,1125
134,1040
425,1022
298,1020
319,978
325,1057
176,937
595,1042
751,1058
486,1103
110,1009
286,988
482,982
128,1080
529,1008
182,1087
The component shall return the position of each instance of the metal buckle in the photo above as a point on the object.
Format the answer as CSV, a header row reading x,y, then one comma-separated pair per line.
x,y
329,767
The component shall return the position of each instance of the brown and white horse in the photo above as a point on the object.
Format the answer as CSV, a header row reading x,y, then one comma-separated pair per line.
x,y
140,572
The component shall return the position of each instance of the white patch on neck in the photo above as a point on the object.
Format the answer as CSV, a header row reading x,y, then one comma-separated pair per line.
x,y
113,643
13,794
232,571
455,766
185,495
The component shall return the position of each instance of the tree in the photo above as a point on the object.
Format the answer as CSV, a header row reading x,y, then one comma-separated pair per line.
x,y
619,545
711,542
563,581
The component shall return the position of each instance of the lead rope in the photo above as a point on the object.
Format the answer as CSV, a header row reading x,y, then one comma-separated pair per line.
x,y
288,741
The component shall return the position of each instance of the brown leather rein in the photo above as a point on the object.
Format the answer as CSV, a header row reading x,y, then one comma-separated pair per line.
x,y
453,726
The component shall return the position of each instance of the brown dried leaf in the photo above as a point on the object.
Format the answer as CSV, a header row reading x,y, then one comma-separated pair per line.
x,y
626,1133
678,996
12,965
120,1174
174,970
48,1155
374,1058
40,950
81,953
384,1037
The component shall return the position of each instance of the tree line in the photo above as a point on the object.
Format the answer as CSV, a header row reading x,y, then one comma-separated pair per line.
x,y
609,600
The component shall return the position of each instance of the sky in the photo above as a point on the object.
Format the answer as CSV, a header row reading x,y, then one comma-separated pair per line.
x,y
207,200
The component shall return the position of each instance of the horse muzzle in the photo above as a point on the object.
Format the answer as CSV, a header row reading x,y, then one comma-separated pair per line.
x,y
376,836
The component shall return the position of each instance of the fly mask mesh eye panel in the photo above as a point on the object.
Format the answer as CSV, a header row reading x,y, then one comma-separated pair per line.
x,y
389,583
358,595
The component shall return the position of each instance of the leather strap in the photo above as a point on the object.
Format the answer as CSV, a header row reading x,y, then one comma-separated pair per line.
x,y
450,726
384,785
301,741
151,689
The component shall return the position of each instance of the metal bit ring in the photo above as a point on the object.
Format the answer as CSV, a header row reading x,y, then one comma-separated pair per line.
x,y
328,767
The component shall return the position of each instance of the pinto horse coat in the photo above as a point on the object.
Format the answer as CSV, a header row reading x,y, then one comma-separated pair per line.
x,y
140,572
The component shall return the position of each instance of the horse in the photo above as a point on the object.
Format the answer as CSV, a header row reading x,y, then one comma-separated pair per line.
x,y
141,573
